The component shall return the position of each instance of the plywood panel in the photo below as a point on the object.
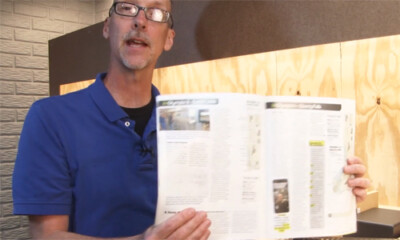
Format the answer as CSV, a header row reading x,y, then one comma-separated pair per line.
x,y
371,69
309,71
71,87
253,73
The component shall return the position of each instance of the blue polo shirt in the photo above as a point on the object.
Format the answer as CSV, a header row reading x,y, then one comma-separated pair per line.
x,y
79,155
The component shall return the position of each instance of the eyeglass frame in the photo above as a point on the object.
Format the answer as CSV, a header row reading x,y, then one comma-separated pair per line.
x,y
170,21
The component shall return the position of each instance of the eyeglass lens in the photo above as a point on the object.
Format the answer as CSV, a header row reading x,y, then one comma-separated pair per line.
x,y
154,14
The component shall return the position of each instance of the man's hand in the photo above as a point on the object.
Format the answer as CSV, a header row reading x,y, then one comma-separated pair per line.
x,y
187,224
358,183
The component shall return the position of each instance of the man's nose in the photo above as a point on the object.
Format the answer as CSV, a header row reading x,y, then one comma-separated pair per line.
x,y
140,19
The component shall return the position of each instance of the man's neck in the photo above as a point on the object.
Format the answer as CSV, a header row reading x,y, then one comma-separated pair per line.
x,y
129,89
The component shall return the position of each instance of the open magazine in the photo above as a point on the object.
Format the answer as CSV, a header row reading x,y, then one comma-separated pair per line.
x,y
261,167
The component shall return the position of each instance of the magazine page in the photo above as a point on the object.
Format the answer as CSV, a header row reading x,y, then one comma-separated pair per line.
x,y
307,142
209,158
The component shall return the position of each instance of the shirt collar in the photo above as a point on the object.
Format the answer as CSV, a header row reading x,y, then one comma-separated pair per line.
x,y
106,103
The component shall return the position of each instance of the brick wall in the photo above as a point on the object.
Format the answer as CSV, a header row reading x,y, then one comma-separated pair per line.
x,y
25,28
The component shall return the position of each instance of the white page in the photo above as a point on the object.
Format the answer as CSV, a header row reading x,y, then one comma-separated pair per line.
x,y
308,140
214,141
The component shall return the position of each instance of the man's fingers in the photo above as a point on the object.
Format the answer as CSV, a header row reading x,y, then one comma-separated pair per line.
x,y
206,235
187,224
360,194
202,231
358,183
354,160
195,228
357,170
354,167
165,229
359,186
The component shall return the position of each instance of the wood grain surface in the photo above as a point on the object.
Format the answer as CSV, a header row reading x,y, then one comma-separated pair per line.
x,y
309,71
371,69
245,74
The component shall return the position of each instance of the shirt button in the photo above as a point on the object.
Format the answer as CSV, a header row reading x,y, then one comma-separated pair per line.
x,y
127,124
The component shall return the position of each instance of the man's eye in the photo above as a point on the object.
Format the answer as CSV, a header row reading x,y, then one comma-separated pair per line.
x,y
157,14
126,9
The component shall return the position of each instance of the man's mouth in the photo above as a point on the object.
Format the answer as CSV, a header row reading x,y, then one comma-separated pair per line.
x,y
136,43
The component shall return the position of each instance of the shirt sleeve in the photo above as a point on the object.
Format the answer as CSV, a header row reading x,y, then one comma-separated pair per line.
x,y
41,180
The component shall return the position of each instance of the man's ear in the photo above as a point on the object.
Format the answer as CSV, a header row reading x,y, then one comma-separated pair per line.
x,y
170,40
106,28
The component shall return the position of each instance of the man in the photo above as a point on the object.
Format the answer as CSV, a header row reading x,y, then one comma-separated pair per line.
x,y
87,162
83,165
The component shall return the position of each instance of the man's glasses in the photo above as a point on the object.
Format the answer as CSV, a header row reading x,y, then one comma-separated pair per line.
x,y
151,13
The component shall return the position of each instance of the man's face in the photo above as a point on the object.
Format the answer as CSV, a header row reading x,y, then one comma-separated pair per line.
x,y
136,42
